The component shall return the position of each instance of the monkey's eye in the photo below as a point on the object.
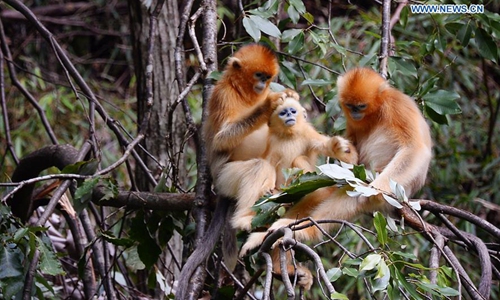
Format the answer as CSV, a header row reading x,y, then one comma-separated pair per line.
x,y
362,106
283,113
293,111
258,75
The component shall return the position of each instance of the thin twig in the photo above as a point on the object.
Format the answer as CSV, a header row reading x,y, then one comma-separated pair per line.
x,y
22,89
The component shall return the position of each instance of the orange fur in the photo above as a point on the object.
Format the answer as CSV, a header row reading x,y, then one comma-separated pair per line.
x,y
287,146
391,137
240,106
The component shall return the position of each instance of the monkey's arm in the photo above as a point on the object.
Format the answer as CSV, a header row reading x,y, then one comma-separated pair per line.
x,y
408,168
232,132
335,146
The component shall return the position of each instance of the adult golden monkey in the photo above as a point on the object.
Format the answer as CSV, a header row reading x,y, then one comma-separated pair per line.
x,y
236,130
292,143
391,137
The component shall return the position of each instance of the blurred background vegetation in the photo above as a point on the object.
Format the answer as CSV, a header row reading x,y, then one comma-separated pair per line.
x,y
447,63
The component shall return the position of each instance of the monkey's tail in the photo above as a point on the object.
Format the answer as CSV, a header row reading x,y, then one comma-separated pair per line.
x,y
205,246
230,247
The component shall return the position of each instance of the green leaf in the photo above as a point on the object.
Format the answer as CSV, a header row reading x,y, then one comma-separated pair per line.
x,y
339,48
370,262
289,34
380,224
148,249
133,261
428,85
434,116
110,189
82,167
359,172
215,75
293,14
453,27
266,213
49,264
350,272
11,287
442,102
109,236
304,185
464,34
334,274
10,260
403,19
296,44
338,295
495,26
299,5
320,41
309,17
317,82
404,66
266,26
382,278
252,29
83,194
406,286
486,46
448,292
20,233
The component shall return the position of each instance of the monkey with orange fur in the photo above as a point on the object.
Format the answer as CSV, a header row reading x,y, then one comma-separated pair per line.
x,y
236,130
292,143
391,137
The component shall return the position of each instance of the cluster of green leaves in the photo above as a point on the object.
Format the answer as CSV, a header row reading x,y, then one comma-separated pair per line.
x,y
19,244
395,273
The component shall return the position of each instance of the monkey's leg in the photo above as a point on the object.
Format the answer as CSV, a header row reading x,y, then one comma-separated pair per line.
x,y
259,178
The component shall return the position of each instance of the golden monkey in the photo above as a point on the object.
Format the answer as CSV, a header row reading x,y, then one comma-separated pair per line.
x,y
391,137
236,130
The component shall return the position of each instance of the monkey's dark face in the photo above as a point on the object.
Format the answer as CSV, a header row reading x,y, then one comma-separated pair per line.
x,y
261,81
289,116
357,111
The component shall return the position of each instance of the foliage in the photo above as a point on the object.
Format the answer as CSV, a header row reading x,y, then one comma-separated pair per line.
x,y
19,244
447,62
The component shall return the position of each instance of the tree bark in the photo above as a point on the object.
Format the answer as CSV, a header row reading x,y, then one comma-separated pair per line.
x,y
165,129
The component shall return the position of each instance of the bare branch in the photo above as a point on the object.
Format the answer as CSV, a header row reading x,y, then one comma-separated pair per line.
x,y
386,36
269,275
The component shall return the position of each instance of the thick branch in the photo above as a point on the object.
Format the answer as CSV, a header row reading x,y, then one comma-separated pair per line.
x,y
146,200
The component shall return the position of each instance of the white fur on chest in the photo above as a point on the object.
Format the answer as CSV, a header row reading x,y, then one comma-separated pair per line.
x,y
380,151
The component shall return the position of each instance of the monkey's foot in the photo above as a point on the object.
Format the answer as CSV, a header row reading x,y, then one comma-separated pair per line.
x,y
242,222
254,240
305,278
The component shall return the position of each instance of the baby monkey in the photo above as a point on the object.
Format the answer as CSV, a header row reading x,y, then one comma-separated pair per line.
x,y
292,143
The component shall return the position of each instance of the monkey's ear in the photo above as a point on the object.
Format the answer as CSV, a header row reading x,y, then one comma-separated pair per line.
x,y
234,62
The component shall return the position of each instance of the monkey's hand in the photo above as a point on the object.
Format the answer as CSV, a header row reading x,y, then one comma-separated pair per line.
x,y
343,150
276,99
289,93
